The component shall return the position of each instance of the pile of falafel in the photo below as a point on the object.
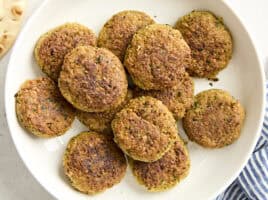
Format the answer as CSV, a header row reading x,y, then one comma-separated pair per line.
x,y
130,86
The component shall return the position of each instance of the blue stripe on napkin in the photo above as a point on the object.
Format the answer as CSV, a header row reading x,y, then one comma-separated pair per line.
x,y
234,191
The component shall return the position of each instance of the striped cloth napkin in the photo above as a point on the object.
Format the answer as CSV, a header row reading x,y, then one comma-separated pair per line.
x,y
252,183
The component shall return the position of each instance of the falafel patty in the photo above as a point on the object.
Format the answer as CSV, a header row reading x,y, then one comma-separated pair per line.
x,y
210,42
215,120
101,122
165,172
156,57
145,129
52,46
42,110
178,98
93,163
93,79
119,30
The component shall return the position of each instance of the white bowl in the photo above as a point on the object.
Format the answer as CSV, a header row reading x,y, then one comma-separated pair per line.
x,y
211,170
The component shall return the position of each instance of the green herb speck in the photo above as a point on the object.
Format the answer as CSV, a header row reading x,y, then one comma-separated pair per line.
x,y
218,23
99,59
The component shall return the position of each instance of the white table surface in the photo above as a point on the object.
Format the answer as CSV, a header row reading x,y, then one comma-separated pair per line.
x,y
16,182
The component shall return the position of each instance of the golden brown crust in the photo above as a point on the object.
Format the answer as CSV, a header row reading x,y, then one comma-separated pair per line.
x,y
42,110
144,129
156,57
210,42
93,79
52,46
93,163
215,120
178,98
101,122
165,172
119,30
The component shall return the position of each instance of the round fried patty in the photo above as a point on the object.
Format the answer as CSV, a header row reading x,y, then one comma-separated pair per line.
x,y
119,30
178,98
93,79
93,163
52,46
215,120
145,129
165,172
42,110
210,42
101,122
156,57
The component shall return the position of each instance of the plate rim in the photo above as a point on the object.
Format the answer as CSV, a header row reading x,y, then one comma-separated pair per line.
x,y
213,195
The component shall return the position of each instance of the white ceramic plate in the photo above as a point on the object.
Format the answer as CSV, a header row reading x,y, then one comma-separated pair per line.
x,y
211,170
